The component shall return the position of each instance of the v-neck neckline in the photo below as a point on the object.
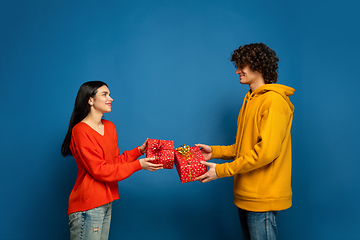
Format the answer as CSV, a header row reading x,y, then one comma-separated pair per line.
x,y
95,129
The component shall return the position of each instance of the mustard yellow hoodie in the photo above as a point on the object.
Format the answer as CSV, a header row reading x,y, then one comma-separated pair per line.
x,y
262,151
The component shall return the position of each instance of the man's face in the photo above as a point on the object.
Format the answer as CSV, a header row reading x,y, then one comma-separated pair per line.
x,y
247,76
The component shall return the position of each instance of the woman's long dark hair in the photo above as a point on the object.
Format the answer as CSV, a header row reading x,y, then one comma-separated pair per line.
x,y
81,110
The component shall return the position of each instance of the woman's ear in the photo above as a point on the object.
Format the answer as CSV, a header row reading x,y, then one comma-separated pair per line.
x,y
91,102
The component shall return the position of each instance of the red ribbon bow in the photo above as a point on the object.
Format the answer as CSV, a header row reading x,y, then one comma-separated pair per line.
x,y
157,149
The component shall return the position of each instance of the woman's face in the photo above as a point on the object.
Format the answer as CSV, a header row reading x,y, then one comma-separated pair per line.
x,y
102,100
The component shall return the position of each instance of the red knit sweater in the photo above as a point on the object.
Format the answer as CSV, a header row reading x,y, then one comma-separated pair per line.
x,y
100,166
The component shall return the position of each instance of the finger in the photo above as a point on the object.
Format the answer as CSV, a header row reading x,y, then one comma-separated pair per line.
x,y
201,178
153,165
206,163
200,145
144,145
206,180
153,169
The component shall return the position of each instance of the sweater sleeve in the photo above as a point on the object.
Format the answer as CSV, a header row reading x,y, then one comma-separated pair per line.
x,y
126,156
267,149
88,154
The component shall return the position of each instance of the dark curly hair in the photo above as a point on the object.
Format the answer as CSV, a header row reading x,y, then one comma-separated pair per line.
x,y
258,57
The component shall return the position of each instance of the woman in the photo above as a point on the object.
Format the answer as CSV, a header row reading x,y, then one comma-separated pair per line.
x,y
93,143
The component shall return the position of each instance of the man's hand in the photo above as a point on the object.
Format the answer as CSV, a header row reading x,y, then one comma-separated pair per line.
x,y
206,151
210,174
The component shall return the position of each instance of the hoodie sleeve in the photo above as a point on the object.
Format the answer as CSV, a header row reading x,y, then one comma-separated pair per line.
x,y
223,152
273,129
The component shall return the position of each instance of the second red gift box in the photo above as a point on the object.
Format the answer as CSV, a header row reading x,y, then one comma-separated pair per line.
x,y
187,162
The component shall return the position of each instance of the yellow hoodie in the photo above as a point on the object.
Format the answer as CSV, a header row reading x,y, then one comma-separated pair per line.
x,y
262,151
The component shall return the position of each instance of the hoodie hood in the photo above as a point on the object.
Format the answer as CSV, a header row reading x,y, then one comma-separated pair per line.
x,y
283,90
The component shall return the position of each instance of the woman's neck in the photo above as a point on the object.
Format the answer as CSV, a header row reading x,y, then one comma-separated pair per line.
x,y
93,119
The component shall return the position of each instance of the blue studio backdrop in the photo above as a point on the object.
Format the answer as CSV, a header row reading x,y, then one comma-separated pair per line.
x,y
168,69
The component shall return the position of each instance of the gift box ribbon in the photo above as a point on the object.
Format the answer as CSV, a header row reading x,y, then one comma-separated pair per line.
x,y
186,153
157,148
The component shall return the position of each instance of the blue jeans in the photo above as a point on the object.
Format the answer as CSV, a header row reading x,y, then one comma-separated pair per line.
x,y
93,224
258,225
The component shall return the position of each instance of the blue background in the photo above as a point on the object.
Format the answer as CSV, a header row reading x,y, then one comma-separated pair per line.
x,y
167,66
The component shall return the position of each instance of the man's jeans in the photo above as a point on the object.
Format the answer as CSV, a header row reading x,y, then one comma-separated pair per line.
x,y
93,224
258,225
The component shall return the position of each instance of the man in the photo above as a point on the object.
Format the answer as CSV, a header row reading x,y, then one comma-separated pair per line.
x,y
261,155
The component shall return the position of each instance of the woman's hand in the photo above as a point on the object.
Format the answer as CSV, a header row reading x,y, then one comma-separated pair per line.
x,y
143,147
147,165
206,151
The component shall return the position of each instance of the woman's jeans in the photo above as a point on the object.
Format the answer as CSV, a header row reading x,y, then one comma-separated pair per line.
x,y
93,224
258,225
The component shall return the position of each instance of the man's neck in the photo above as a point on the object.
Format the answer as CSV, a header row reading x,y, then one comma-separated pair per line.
x,y
256,85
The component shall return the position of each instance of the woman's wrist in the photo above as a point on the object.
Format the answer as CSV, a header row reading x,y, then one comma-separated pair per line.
x,y
142,151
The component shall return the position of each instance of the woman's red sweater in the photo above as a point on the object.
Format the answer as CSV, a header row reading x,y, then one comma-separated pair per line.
x,y
100,166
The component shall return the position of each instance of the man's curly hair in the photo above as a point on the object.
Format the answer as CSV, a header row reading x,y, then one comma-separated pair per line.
x,y
258,57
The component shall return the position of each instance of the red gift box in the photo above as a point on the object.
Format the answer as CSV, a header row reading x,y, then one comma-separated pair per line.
x,y
187,162
162,151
